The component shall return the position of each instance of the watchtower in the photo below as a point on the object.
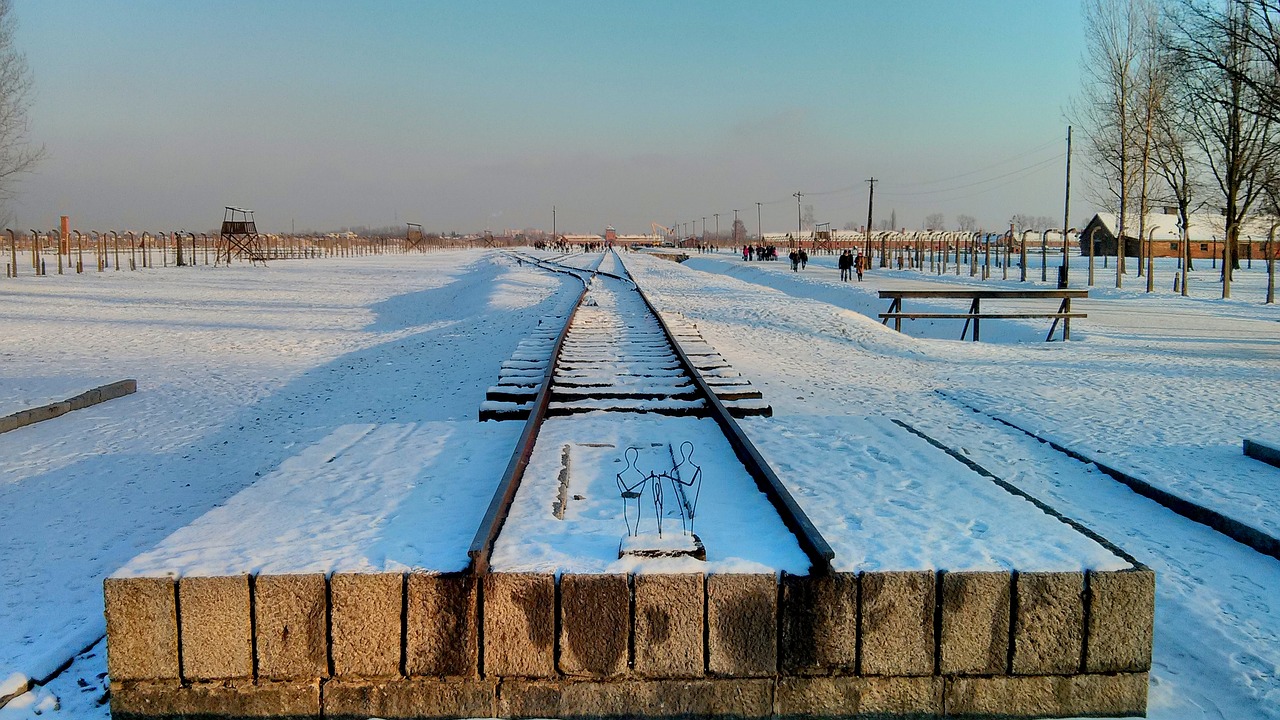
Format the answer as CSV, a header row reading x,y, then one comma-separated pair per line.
x,y
822,239
239,237
413,238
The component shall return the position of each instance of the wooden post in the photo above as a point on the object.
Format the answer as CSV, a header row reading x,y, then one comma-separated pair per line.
x,y
1091,234
1022,257
1271,264
1151,265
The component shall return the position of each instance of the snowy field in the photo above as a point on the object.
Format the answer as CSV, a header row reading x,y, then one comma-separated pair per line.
x,y
354,385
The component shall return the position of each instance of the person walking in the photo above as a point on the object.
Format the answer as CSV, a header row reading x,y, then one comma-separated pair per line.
x,y
795,261
858,263
843,263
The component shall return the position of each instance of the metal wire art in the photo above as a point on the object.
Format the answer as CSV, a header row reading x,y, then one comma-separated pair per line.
x,y
684,479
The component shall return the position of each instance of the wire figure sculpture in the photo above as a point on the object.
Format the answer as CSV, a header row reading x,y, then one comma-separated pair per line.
x,y
632,489
685,478
655,488
688,508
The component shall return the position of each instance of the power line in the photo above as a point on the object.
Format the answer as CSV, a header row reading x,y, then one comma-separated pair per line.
x,y
1005,161
1012,173
975,171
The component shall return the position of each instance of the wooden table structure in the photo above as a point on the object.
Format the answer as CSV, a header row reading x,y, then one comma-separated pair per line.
x,y
975,314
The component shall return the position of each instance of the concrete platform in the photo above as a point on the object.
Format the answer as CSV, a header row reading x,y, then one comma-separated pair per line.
x,y
357,602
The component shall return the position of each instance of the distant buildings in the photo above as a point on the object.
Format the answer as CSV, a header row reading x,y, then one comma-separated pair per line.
x,y
1205,232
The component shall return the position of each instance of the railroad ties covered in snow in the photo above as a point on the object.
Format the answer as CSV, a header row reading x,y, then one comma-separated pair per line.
x,y
616,358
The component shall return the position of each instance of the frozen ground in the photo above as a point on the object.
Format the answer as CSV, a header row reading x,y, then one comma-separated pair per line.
x,y
806,340
247,373
1162,387
239,370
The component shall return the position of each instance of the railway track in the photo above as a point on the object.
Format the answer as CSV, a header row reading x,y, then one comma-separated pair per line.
x,y
616,354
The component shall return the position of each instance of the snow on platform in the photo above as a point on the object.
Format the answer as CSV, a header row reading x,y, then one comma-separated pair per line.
x,y
365,499
739,528
1187,460
887,500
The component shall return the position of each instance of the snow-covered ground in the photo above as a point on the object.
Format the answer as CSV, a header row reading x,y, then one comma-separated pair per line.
x,y
251,380
242,372
1174,387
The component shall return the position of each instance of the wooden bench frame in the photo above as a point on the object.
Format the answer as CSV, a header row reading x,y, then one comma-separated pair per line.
x,y
975,314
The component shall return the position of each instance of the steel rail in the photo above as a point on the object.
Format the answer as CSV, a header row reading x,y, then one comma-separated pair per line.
x,y
571,268
495,515
793,516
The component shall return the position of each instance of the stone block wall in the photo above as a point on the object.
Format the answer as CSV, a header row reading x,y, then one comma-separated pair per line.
x,y
533,645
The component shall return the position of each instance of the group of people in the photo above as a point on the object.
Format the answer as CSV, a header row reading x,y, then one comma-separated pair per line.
x,y
799,258
759,252
850,263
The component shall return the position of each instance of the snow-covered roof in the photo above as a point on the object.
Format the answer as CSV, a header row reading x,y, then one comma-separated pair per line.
x,y
1200,227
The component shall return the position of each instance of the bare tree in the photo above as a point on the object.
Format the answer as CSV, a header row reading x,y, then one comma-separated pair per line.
x,y
1258,30
1176,160
967,223
1103,111
1224,74
17,155
1272,192
1023,221
935,221
1152,87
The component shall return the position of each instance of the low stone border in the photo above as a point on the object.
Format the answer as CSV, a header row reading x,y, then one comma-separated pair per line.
x,y
100,394
1237,530
1266,451
1018,644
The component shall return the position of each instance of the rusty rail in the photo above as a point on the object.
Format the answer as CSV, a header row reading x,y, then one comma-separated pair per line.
x,y
793,516
496,515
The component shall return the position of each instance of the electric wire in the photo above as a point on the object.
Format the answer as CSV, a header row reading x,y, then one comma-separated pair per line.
x,y
1012,173
896,190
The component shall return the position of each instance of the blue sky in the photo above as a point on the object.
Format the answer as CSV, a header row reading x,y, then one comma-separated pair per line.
x,y
473,115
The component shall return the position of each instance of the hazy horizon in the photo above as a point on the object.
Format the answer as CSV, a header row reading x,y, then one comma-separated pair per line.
x,y
473,116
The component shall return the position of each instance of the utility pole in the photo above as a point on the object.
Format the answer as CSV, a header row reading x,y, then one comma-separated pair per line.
x,y
735,227
1064,281
553,223
871,198
799,223
759,227
717,226
703,238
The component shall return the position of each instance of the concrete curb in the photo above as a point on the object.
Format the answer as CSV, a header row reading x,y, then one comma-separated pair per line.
x,y
100,394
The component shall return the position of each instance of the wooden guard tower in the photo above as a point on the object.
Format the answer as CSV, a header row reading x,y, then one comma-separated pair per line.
x,y
413,238
239,237
822,240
